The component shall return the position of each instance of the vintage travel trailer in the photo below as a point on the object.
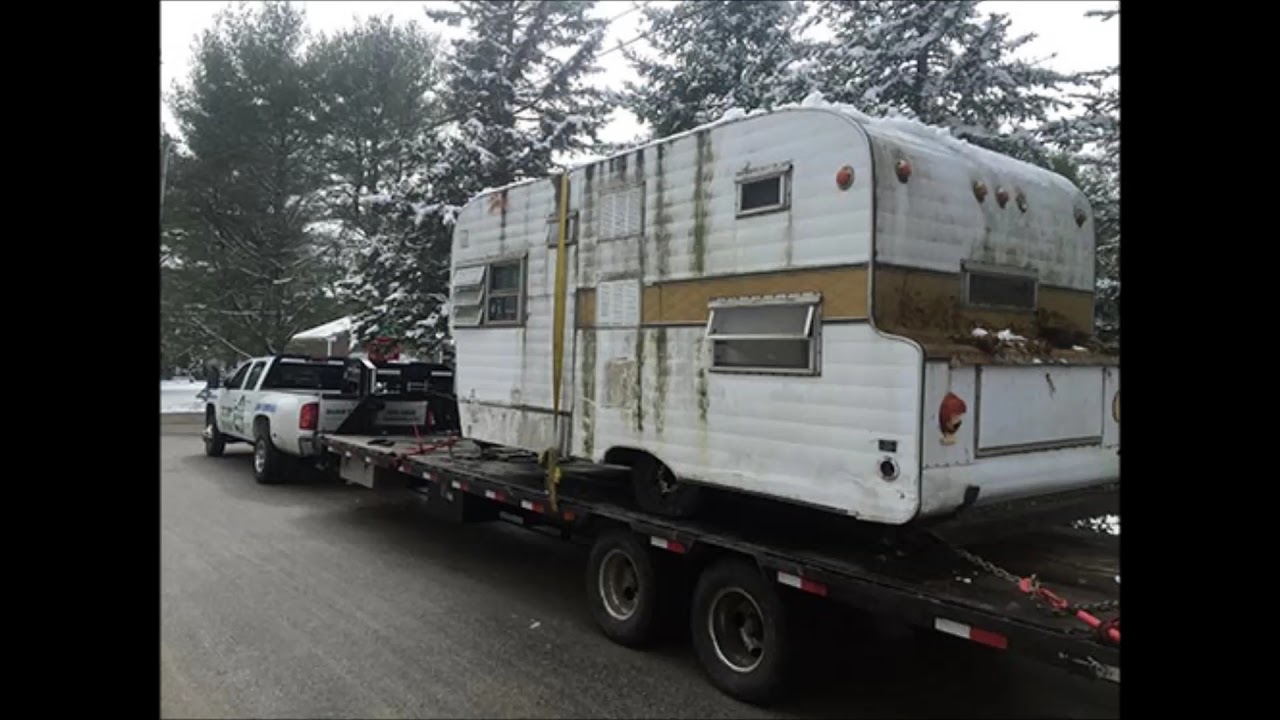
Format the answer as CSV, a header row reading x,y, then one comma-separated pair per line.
x,y
866,316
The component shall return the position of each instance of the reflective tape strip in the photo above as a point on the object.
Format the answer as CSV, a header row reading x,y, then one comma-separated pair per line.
x,y
800,583
665,544
960,630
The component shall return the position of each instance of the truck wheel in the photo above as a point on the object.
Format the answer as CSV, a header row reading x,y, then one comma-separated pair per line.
x,y
214,441
740,632
657,490
622,588
268,462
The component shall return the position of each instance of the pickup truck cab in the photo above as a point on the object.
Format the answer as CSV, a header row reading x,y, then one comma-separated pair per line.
x,y
280,404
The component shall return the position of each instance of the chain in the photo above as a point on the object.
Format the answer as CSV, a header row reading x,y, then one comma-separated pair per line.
x,y
1103,606
1009,577
984,564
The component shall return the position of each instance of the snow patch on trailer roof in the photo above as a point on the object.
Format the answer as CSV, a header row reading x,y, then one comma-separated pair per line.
x,y
894,127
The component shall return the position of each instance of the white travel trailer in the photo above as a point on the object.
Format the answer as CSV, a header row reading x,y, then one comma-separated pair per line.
x,y
863,315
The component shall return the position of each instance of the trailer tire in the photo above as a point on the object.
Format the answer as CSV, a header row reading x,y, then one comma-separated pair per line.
x,y
740,631
268,462
622,588
657,490
215,443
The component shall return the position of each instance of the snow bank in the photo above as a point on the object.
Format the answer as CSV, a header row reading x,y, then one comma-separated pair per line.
x,y
179,396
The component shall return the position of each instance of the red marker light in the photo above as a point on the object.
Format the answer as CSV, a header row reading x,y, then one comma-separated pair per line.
x,y
844,178
903,169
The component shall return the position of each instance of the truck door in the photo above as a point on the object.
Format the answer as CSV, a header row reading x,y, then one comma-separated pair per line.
x,y
248,400
228,397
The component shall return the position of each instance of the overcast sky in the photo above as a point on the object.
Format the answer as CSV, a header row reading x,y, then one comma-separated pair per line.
x,y
1079,43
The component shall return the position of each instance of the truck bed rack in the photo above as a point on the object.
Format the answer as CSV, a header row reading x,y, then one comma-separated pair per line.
x,y
914,576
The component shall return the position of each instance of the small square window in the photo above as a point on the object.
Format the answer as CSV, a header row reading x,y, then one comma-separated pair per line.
x,y
489,294
553,229
764,192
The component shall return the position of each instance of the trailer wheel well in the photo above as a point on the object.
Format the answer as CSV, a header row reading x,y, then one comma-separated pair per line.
x,y
626,456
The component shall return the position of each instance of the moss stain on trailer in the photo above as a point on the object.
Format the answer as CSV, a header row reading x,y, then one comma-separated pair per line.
x,y
701,189
663,372
661,216
587,405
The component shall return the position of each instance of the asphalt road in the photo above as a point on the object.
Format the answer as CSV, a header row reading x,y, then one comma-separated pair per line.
x,y
319,600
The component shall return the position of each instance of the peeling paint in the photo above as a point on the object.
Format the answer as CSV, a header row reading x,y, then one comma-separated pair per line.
x,y
587,407
701,186
700,389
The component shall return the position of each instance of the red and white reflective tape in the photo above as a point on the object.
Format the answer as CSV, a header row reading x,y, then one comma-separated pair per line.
x,y
534,506
968,632
348,453
669,545
426,475
495,495
809,586
457,485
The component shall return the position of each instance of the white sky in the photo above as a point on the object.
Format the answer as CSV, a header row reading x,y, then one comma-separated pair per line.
x,y
1079,43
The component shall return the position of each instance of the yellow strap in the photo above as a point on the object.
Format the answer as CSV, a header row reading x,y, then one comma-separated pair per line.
x,y
557,341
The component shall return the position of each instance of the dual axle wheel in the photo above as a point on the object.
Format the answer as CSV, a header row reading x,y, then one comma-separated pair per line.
x,y
736,617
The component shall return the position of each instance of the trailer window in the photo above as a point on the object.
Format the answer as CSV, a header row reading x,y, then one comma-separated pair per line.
x,y
765,336
506,281
553,229
765,191
490,294
996,289
468,294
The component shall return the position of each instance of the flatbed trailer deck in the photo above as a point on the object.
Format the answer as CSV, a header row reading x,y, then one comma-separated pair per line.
x,y
987,593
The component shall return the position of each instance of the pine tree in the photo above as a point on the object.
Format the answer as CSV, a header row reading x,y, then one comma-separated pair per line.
x,y
515,94
712,56
517,88
1092,136
943,64
247,190
377,94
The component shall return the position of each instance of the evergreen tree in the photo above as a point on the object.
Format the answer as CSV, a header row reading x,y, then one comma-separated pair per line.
x,y
712,56
515,93
252,274
517,88
945,65
1092,136
377,99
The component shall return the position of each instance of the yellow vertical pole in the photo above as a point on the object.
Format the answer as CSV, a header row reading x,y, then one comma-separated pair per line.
x,y
557,340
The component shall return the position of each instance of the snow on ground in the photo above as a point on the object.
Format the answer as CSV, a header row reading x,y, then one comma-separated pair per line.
x,y
179,396
1109,524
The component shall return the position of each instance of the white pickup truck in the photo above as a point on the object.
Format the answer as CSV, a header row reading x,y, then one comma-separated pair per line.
x,y
281,403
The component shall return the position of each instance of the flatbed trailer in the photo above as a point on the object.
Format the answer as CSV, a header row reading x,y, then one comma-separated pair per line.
x,y
746,588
